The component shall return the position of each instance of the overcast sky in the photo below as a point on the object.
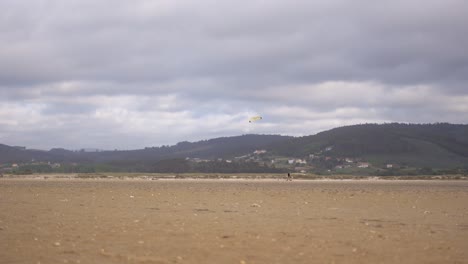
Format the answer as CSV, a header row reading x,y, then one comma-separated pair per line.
x,y
119,74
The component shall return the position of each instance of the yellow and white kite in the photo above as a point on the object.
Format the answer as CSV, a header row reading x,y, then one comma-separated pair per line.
x,y
254,119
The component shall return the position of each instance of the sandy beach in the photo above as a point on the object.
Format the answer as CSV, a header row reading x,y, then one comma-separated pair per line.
x,y
232,221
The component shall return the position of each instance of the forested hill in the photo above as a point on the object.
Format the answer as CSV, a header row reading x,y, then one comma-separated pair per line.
x,y
435,145
224,147
417,145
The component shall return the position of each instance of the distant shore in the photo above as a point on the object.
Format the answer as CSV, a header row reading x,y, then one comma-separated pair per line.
x,y
224,176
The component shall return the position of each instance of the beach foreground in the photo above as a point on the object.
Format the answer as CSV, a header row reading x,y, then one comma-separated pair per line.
x,y
224,221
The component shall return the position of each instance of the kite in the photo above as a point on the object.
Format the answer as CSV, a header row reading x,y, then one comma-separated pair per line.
x,y
255,119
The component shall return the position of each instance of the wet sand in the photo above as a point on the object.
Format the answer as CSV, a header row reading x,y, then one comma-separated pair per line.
x,y
225,221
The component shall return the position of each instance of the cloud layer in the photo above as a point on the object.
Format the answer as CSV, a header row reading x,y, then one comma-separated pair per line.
x,y
120,74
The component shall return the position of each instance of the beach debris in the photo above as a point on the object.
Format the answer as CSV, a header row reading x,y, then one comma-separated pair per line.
x,y
202,210
255,205
57,244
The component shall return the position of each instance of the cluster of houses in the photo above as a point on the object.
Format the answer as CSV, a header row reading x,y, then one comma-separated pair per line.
x,y
309,163
198,160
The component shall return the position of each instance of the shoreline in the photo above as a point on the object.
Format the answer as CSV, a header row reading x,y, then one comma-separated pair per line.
x,y
226,177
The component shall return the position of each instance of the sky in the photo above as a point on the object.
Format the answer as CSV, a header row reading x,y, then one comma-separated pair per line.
x,y
118,74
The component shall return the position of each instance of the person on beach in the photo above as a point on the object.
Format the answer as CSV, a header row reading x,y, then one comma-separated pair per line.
x,y
289,177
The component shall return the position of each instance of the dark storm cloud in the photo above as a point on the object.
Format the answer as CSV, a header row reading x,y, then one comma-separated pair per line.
x,y
334,62
399,41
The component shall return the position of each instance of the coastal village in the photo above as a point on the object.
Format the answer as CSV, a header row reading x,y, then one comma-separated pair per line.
x,y
307,164
319,161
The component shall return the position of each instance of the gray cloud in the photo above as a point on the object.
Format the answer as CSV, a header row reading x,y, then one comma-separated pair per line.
x,y
149,73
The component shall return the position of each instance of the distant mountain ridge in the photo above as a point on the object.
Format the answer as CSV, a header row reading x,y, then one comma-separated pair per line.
x,y
223,147
438,145
434,145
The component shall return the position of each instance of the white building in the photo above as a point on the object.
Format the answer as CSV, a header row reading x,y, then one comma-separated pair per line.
x,y
363,165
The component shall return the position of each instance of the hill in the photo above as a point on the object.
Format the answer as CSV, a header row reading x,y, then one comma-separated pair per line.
x,y
437,146
432,145
224,147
